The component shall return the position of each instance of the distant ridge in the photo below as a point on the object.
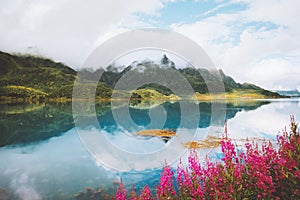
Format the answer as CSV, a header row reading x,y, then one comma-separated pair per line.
x,y
290,93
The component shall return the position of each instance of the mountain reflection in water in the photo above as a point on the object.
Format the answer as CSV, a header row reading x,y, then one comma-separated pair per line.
x,y
27,123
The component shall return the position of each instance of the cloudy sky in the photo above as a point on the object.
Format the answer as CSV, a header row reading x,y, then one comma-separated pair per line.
x,y
251,40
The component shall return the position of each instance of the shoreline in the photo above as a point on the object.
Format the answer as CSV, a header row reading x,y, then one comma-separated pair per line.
x,y
206,98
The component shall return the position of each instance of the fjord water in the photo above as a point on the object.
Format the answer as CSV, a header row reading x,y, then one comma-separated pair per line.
x,y
42,156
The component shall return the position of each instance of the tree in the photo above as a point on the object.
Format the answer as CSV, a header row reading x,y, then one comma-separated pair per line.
x,y
165,60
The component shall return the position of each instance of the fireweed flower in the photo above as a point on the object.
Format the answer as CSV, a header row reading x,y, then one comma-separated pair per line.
x,y
165,189
133,194
121,192
146,193
256,172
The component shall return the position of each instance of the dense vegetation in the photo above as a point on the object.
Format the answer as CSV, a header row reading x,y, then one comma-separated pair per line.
x,y
40,74
37,78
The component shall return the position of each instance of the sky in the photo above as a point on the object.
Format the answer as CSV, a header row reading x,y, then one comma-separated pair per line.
x,y
251,40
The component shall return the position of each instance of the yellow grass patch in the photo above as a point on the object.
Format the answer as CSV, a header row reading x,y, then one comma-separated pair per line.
x,y
157,133
207,143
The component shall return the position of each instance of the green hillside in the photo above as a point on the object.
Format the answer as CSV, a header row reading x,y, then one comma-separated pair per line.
x,y
27,76
37,78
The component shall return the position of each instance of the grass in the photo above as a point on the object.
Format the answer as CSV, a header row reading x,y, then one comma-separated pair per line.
x,y
245,94
31,91
14,92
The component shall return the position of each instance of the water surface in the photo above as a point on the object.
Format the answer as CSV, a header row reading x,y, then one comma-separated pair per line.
x,y
43,157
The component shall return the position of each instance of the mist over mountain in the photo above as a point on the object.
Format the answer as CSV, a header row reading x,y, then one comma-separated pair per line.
x,y
27,76
201,79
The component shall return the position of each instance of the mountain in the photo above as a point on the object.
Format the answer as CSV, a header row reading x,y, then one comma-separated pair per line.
x,y
198,79
37,78
26,76
290,93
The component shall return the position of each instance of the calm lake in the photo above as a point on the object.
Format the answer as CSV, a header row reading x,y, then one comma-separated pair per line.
x,y
45,155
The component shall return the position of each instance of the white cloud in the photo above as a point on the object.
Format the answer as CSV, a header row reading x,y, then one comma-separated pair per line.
x,y
22,187
285,13
238,42
66,30
274,73
243,42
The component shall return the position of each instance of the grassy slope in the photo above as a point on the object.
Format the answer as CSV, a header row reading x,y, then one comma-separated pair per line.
x,y
23,76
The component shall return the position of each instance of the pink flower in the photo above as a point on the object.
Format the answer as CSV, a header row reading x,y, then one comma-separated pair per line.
x,y
165,189
121,193
146,193
256,173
